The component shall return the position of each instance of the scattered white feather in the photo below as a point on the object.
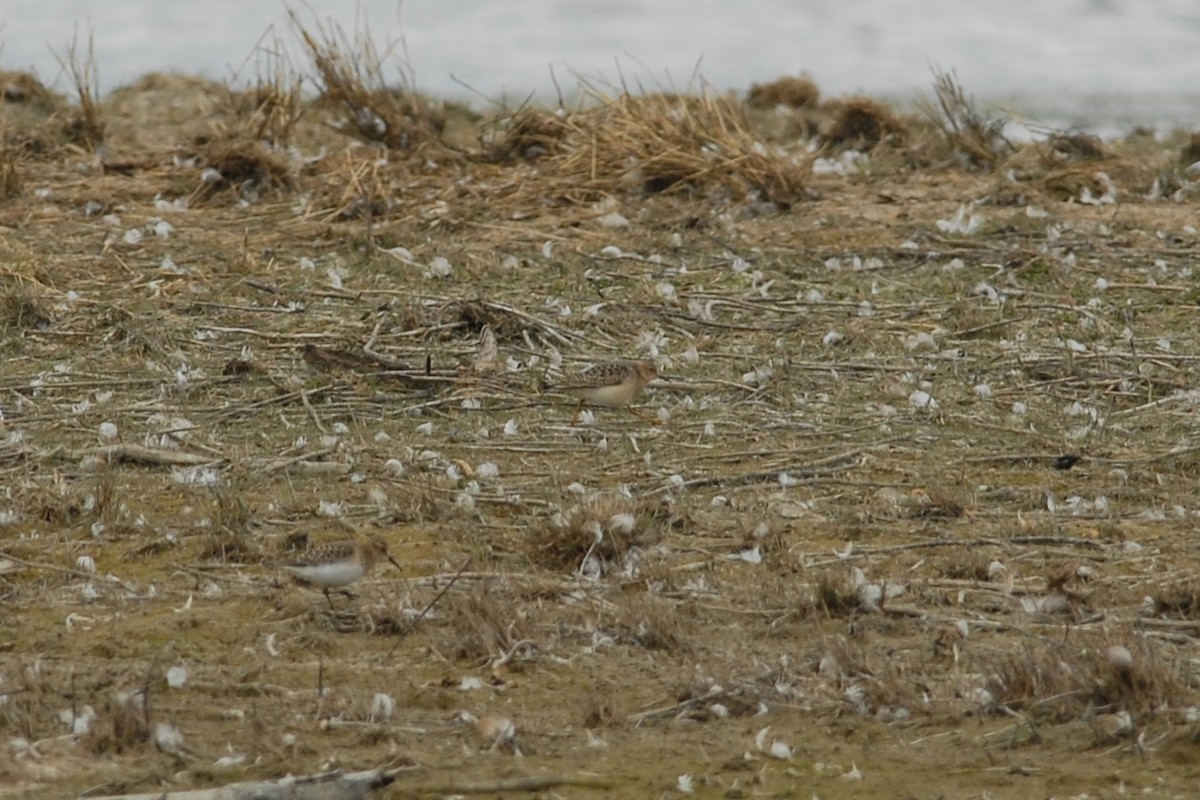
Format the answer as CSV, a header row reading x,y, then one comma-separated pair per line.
x,y
622,524
328,508
440,267
86,564
922,399
613,220
963,222
177,676
751,555
382,707
168,738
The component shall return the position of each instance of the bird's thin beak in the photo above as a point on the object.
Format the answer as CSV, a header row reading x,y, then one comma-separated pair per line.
x,y
395,563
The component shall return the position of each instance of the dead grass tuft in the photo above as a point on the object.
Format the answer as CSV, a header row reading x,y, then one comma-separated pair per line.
x,y
658,143
246,166
1075,181
1078,146
1070,682
273,106
126,728
10,175
1179,600
937,502
651,622
527,134
85,124
604,528
483,624
22,88
1190,152
789,91
974,139
835,594
350,73
22,309
230,520
861,123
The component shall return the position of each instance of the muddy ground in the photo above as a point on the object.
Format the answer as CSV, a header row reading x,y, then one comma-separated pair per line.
x,y
910,514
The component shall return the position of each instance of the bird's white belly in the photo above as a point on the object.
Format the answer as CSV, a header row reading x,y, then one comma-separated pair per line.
x,y
610,396
327,574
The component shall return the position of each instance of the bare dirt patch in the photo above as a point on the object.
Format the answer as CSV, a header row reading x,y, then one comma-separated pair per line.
x,y
914,519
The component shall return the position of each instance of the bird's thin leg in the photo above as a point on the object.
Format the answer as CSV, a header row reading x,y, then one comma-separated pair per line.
x,y
328,598
578,411
643,417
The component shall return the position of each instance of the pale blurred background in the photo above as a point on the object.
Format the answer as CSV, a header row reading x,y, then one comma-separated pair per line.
x,y
1107,65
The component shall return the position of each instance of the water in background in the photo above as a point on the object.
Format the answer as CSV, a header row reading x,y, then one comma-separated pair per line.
x,y
1106,65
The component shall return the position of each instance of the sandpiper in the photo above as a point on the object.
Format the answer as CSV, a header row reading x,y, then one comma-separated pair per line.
x,y
611,384
331,566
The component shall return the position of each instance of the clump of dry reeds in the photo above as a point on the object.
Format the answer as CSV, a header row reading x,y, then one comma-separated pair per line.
x,y
974,139
835,595
126,724
603,528
665,143
653,623
245,166
484,624
349,70
10,174
862,123
526,134
788,91
85,125
1078,146
1190,152
22,309
21,88
269,110
1179,600
1071,682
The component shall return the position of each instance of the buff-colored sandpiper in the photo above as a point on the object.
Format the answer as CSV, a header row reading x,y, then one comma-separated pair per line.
x,y
612,384
332,566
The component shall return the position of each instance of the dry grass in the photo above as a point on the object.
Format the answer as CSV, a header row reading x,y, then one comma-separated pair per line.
x,y
803,536
790,92
654,144
1067,682
85,124
862,123
975,139
350,70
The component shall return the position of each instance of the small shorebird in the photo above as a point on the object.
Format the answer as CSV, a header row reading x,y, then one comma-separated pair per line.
x,y
332,566
611,384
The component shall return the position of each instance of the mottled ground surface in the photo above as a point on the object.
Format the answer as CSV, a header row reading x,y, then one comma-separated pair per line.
x,y
846,551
